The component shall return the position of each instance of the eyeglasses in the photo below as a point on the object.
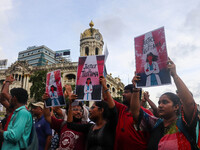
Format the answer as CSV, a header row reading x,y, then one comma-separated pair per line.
x,y
92,107
76,109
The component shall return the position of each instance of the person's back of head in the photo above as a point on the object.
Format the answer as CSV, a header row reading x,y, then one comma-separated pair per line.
x,y
21,95
103,105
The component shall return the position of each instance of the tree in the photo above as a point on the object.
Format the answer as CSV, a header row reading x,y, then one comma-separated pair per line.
x,y
38,80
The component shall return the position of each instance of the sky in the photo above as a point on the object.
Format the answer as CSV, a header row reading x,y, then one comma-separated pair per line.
x,y
58,24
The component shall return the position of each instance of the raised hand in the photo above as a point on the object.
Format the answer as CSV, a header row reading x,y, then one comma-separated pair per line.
x,y
10,79
102,80
172,67
135,79
68,90
146,95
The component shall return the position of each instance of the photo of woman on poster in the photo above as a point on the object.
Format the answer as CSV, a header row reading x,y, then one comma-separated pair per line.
x,y
54,96
151,70
88,90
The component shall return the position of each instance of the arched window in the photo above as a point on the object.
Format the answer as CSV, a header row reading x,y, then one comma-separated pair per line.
x,y
97,51
113,90
86,51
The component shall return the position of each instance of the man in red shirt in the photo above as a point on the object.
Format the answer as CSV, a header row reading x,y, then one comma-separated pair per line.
x,y
128,136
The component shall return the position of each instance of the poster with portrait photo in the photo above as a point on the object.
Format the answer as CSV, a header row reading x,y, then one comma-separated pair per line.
x,y
90,68
54,89
151,59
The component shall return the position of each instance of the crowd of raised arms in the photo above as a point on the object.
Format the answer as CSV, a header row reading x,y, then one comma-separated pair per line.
x,y
106,125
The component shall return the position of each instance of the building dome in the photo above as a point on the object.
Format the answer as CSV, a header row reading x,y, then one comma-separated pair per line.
x,y
91,32
91,42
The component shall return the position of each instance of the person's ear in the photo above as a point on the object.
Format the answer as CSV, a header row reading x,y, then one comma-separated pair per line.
x,y
176,108
102,110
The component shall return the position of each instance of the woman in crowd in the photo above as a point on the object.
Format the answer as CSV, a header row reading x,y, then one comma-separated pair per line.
x,y
173,131
100,136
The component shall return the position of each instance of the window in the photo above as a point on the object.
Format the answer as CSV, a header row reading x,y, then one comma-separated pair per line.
x,y
97,51
86,51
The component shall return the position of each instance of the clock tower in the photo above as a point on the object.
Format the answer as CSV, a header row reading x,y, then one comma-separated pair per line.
x,y
91,42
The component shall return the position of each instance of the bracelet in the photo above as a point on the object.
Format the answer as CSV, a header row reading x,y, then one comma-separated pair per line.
x,y
106,90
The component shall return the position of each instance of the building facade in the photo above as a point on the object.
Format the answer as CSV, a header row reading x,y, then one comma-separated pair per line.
x,y
37,56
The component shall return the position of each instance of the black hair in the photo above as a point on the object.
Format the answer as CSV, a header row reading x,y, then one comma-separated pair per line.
x,y
54,88
104,105
175,99
130,88
154,57
89,79
21,95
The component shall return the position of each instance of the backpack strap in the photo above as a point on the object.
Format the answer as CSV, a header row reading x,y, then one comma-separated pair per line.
x,y
180,126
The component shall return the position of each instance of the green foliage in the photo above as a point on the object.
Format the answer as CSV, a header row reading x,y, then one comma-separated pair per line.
x,y
38,80
118,99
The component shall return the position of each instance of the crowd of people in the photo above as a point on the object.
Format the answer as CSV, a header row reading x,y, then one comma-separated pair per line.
x,y
106,125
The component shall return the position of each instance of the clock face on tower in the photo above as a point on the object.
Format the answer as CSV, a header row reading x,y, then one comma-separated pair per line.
x,y
97,36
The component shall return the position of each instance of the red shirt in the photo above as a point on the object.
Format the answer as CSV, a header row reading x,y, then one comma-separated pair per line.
x,y
127,138
69,139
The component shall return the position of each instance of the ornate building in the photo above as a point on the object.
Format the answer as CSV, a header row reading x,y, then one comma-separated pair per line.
x,y
91,43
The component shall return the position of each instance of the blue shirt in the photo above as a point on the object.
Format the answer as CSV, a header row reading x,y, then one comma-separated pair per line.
x,y
19,129
43,130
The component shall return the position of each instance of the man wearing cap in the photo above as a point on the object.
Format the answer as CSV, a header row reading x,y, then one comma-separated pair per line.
x,y
43,129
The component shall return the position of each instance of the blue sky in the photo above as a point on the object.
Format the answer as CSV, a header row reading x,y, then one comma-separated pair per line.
x,y
59,23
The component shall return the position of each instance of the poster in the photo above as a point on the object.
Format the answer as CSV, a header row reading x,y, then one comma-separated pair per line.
x,y
54,89
151,59
90,68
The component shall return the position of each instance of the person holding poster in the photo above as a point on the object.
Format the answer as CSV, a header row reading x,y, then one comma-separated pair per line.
x,y
177,128
101,135
88,90
151,70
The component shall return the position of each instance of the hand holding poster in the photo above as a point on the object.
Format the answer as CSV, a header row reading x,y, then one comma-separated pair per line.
x,y
151,59
54,89
90,68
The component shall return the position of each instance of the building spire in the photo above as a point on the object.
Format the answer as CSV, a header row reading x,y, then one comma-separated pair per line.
x,y
91,24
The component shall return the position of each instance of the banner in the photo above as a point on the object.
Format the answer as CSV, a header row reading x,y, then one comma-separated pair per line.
x,y
54,89
151,59
90,68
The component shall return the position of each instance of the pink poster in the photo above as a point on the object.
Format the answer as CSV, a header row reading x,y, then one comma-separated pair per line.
x,y
151,59
54,89
90,68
